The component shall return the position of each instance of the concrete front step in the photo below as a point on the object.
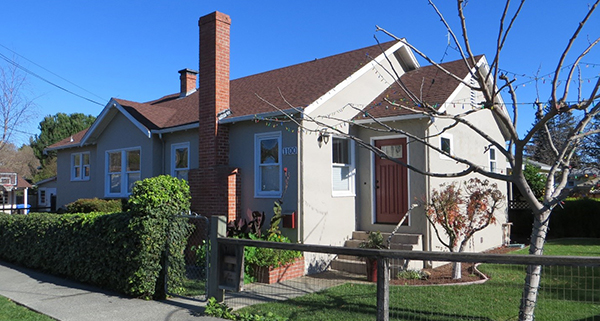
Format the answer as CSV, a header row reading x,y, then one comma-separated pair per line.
x,y
353,264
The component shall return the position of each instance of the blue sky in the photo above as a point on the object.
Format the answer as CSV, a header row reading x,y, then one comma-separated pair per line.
x,y
133,49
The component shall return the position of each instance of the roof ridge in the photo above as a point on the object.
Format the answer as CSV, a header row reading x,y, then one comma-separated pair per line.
x,y
387,44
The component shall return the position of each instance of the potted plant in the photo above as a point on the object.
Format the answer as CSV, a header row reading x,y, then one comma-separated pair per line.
x,y
374,241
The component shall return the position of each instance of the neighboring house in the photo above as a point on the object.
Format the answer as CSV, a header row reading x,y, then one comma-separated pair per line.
x,y
13,193
584,182
244,143
46,195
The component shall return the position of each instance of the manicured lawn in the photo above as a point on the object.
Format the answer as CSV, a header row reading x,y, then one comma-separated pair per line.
x,y
566,294
10,311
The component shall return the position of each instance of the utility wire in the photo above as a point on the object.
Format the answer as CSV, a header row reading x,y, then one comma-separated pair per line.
x,y
14,63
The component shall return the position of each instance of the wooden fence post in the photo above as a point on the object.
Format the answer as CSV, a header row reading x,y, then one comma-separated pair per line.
x,y
218,228
383,289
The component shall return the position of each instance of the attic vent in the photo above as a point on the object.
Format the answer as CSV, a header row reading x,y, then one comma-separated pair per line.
x,y
473,102
223,114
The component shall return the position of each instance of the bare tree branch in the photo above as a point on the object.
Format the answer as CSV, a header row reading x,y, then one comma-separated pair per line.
x,y
559,104
428,59
576,65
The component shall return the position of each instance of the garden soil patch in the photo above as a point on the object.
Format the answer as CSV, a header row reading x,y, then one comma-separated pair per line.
x,y
443,274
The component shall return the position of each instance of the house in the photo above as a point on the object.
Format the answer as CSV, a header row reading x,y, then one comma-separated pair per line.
x,y
13,192
278,135
46,195
585,182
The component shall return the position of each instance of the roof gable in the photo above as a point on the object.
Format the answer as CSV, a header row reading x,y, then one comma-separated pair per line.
x,y
428,83
300,84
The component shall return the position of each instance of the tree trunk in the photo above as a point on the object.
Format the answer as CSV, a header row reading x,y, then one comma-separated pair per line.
x,y
456,271
534,272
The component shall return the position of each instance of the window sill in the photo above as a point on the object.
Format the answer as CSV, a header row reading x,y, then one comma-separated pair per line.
x,y
80,179
278,195
343,194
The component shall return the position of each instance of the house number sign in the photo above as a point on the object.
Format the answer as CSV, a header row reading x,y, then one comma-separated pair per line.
x,y
289,150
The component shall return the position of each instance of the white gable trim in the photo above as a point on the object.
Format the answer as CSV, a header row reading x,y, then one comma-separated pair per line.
x,y
105,116
461,85
373,64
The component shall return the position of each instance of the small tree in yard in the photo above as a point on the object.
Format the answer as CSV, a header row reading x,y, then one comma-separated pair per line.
x,y
460,215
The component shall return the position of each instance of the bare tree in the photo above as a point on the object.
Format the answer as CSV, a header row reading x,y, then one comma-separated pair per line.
x,y
490,82
19,160
15,106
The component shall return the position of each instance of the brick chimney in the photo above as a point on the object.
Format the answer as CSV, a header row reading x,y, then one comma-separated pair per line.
x,y
187,79
212,187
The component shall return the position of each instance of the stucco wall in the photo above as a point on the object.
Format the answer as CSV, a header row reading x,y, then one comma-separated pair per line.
x,y
469,145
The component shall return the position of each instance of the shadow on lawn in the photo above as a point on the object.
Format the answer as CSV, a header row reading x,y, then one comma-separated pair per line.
x,y
592,318
350,308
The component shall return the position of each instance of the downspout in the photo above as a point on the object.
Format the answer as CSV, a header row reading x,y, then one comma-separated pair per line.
x,y
428,233
164,154
300,216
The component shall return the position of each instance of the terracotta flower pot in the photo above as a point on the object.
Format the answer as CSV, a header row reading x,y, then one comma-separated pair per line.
x,y
371,270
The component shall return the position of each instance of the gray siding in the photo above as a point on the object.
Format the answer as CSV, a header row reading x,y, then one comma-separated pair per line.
x,y
241,155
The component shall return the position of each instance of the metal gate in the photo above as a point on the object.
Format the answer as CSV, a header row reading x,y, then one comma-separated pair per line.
x,y
193,283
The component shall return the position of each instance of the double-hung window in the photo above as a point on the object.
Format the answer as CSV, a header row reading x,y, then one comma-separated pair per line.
x,y
446,145
180,160
123,169
493,164
80,166
267,168
342,167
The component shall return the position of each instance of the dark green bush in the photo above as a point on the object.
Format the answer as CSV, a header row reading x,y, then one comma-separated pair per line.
x,y
159,200
124,252
90,205
575,218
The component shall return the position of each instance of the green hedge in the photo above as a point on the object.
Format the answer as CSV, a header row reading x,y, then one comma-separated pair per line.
x,y
575,218
124,252
90,205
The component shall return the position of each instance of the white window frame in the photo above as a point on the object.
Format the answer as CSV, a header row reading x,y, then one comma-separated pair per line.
x,y
449,138
493,158
174,169
82,167
351,169
258,190
43,194
124,192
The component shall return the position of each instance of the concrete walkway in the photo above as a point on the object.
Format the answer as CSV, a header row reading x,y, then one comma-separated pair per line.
x,y
67,300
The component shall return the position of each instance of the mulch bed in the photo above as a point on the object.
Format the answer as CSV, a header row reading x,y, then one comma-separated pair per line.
x,y
443,274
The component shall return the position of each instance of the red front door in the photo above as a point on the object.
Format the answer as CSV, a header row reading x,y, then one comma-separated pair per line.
x,y
391,182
